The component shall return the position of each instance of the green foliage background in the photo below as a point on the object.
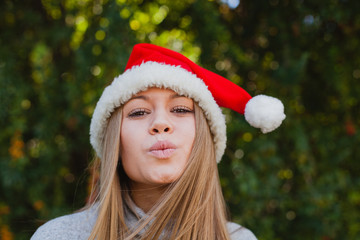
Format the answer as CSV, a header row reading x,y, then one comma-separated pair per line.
x,y
300,182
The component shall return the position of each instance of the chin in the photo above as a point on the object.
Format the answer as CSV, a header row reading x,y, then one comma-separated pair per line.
x,y
167,179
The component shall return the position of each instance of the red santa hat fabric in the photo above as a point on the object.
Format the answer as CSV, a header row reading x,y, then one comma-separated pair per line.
x,y
153,66
226,93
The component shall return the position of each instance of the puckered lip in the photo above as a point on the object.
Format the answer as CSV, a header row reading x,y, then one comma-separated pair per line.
x,y
162,145
162,150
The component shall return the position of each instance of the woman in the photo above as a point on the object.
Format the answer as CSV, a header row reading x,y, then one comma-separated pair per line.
x,y
159,133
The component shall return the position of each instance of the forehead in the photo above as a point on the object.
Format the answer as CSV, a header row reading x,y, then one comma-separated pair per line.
x,y
156,92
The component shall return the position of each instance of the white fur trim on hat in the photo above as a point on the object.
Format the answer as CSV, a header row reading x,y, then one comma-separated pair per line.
x,y
264,112
154,74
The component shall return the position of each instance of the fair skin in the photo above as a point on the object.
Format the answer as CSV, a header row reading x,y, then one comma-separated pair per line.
x,y
157,135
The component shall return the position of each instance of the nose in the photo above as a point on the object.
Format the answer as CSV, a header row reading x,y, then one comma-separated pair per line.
x,y
161,124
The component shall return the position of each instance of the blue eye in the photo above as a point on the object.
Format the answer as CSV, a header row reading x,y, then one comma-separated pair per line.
x,y
138,113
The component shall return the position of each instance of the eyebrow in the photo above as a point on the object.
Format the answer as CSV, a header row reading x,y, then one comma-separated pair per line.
x,y
175,95
139,97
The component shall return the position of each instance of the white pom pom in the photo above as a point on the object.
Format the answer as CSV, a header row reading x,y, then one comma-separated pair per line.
x,y
264,112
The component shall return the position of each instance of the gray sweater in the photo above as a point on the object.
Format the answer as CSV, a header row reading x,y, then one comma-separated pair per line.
x,y
78,226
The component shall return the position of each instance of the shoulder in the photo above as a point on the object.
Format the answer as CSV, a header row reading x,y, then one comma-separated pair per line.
x,y
238,232
75,226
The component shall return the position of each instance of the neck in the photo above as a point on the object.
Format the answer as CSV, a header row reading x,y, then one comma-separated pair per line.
x,y
146,196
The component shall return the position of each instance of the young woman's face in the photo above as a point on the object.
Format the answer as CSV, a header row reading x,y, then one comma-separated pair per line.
x,y
157,135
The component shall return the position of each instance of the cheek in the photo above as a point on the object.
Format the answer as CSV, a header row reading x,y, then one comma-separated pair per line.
x,y
188,136
129,168
130,137
185,137
129,146
130,159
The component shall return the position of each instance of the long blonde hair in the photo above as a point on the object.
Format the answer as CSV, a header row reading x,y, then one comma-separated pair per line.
x,y
191,208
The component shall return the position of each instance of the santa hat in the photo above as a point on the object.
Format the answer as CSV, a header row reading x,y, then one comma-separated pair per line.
x,y
153,66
